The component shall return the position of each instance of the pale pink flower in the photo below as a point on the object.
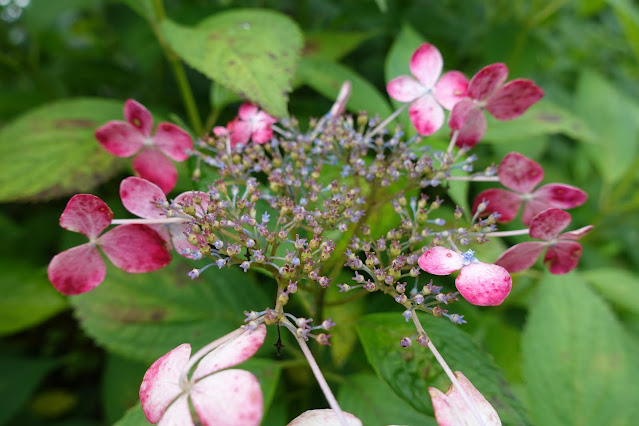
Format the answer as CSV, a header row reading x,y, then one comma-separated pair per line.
x,y
522,175
324,417
251,124
487,91
427,94
482,284
451,409
219,395
126,138
563,250
132,248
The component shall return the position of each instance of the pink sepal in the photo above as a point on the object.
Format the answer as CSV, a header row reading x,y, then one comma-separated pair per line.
x,y
324,417
160,385
231,353
179,238
577,234
247,111
469,121
86,214
138,116
514,99
404,89
77,270
240,132
484,284
521,256
549,223
563,256
173,141
426,115
519,173
229,397
178,413
561,196
451,408
440,261
498,200
487,81
426,64
186,198
120,138
450,89
135,248
141,197
154,166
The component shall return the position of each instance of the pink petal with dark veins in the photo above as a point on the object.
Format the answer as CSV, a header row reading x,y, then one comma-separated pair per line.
x,y
549,223
139,117
86,214
519,173
141,197
77,270
487,80
451,88
484,284
120,138
440,261
426,64
499,200
153,166
426,115
521,256
135,248
563,256
514,99
173,141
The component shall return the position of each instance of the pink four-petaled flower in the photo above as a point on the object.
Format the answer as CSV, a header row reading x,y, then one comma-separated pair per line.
x,y
251,123
522,175
427,94
480,283
125,138
487,91
563,249
324,417
219,395
132,248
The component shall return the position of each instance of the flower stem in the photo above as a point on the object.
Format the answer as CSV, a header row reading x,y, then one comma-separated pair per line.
x,y
474,178
384,123
508,233
453,140
158,221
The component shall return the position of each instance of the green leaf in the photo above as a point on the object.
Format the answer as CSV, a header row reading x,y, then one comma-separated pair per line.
x,y
613,117
618,286
28,298
51,151
628,17
374,403
121,385
19,378
133,417
251,52
332,46
576,361
327,77
144,316
410,372
144,8
543,118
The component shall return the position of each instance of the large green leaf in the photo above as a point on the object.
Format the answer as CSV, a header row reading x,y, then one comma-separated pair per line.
x,y
251,52
613,117
133,417
143,316
120,388
332,46
617,285
51,151
410,372
327,77
28,297
577,364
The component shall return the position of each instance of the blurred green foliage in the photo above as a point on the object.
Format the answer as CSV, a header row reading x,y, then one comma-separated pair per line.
x,y
566,345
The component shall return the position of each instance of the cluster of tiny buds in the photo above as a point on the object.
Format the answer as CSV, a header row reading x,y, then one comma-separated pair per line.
x,y
301,326
420,338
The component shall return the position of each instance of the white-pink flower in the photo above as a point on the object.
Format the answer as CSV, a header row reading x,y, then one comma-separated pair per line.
x,y
452,409
428,93
219,395
251,124
324,417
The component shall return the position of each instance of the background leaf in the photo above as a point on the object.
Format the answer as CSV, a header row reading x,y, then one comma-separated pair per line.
x,y
619,286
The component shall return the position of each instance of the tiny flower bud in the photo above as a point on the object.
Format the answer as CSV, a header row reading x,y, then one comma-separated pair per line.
x,y
406,342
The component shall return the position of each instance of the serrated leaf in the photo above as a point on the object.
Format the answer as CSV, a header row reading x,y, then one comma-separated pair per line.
x,y
331,45
374,403
409,372
613,117
251,52
619,286
28,298
327,77
576,361
143,316
51,151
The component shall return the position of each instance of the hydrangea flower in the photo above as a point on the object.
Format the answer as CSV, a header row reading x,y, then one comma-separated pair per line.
x,y
482,284
324,417
219,395
451,408
145,199
563,250
126,138
522,175
427,94
487,91
132,248
250,124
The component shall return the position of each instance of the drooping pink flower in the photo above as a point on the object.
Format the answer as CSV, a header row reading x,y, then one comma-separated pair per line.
x,y
427,94
132,248
324,417
219,395
251,124
126,138
482,284
563,250
487,91
146,200
451,409
522,175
